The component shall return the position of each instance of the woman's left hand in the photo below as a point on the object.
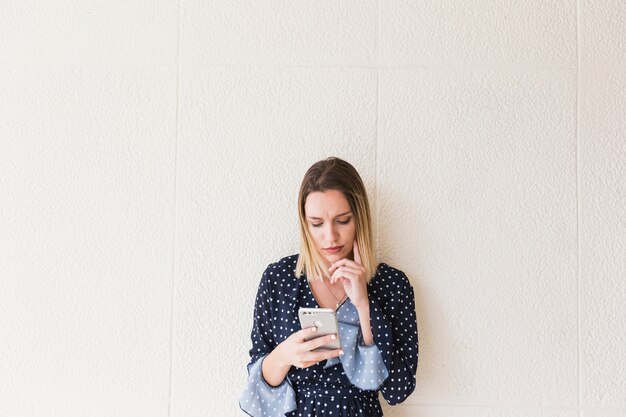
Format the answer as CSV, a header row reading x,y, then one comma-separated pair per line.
x,y
352,276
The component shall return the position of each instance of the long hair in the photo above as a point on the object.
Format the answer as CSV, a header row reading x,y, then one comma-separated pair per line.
x,y
335,174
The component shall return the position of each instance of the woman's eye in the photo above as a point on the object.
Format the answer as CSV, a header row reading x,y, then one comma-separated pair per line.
x,y
338,221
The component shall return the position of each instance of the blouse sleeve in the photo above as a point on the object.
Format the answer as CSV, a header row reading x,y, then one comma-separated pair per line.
x,y
259,399
363,364
395,334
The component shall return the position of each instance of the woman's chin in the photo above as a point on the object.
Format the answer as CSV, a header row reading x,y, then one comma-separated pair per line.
x,y
334,257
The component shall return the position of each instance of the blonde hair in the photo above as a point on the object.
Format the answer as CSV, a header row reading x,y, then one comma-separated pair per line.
x,y
335,174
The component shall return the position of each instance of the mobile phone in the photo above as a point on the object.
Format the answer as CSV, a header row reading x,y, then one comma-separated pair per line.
x,y
325,319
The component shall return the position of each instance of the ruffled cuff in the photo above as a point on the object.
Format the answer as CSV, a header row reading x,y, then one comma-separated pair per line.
x,y
363,365
259,399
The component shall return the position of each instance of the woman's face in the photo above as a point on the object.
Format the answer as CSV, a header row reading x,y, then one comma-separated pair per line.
x,y
331,224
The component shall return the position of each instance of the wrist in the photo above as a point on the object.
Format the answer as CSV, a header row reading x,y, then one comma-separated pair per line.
x,y
277,359
366,330
364,304
363,309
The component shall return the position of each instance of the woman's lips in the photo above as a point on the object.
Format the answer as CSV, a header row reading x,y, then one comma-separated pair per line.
x,y
333,250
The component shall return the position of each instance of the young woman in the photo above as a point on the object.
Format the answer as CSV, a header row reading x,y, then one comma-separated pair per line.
x,y
336,269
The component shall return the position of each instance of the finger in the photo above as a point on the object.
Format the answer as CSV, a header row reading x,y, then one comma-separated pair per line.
x,y
306,333
357,254
336,275
342,262
346,268
336,352
314,357
318,341
350,274
327,355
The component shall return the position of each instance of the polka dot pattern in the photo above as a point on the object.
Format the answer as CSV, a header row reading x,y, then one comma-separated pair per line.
x,y
363,365
347,386
261,399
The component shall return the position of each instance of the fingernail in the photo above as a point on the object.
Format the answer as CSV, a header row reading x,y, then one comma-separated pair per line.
x,y
332,337
341,352
313,329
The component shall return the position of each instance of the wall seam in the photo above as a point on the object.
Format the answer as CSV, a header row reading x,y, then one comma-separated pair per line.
x,y
376,66
173,274
493,407
578,286
376,176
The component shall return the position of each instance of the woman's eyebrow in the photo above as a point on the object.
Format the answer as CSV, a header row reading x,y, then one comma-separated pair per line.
x,y
339,215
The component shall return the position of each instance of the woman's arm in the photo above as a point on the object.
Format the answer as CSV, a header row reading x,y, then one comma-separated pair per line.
x,y
366,329
396,335
274,372
258,397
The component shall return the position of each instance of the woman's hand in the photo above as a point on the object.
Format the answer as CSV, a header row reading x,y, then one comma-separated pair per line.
x,y
299,352
352,276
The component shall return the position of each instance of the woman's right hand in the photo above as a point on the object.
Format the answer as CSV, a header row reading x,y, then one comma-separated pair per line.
x,y
295,351
299,352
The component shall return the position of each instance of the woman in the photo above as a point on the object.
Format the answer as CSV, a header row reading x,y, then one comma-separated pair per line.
x,y
374,304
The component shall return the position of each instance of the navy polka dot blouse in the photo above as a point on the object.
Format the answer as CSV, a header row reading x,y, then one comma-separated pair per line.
x,y
346,385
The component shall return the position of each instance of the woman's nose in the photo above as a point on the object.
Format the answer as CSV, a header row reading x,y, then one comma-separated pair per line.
x,y
331,234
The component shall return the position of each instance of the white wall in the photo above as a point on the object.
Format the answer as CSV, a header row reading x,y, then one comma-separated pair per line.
x,y
151,153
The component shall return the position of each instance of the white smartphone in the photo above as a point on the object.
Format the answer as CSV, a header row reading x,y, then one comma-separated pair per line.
x,y
325,320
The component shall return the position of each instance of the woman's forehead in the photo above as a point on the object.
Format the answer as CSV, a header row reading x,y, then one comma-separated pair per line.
x,y
330,203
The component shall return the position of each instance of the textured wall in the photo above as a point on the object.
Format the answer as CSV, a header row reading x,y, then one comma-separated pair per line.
x,y
150,158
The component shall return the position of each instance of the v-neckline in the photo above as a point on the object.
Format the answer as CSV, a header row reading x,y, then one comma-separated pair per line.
x,y
317,304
